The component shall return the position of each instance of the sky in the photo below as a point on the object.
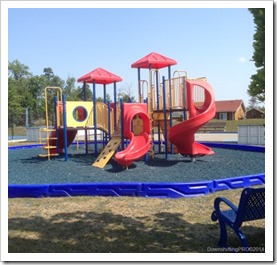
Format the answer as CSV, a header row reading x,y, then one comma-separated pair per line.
x,y
211,42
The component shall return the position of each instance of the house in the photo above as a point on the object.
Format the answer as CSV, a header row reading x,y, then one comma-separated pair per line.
x,y
254,114
230,109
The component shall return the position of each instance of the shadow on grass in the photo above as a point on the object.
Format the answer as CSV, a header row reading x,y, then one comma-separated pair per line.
x,y
91,232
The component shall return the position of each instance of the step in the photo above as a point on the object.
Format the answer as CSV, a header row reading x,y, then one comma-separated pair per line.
x,y
46,155
47,130
48,138
49,147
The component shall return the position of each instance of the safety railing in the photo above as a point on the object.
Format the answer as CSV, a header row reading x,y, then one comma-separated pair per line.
x,y
104,118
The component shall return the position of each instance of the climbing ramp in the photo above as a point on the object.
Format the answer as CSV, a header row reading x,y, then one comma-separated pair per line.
x,y
107,153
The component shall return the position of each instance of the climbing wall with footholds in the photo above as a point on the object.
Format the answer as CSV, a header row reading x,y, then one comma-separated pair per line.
x,y
107,153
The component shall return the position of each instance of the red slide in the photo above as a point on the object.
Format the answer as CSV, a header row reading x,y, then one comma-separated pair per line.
x,y
71,133
139,144
182,134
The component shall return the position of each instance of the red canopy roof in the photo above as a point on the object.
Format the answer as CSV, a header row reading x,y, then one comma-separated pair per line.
x,y
100,76
153,60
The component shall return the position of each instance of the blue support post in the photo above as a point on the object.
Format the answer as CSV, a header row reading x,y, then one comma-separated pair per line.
x,y
157,90
146,155
86,132
114,92
139,85
85,91
122,123
158,108
165,119
109,119
64,128
94,119
56,123
170,105
105,94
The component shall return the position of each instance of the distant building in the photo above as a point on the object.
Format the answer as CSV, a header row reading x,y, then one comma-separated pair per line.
x,y
230,109
254,114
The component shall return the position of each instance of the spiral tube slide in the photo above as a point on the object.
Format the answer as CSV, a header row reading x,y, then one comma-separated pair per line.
x,y
182,134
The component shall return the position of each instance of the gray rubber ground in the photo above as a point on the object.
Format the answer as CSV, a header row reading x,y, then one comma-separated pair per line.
x,y
25,167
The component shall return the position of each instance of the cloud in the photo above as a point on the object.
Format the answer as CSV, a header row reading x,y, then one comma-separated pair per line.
x,y
242,60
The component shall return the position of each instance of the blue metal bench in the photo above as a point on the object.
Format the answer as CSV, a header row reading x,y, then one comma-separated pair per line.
x,y
251,207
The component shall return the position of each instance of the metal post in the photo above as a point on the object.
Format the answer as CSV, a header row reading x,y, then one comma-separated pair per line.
x,y
157,90
105,95
86,131
139,87
146,155
185,98
114,92
165,120
64,128
85,91
55,123
94,119
122,123
27,117
170,105
109,119
158,108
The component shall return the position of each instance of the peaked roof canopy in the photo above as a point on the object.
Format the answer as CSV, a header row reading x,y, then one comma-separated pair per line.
x,y
100,76
153,60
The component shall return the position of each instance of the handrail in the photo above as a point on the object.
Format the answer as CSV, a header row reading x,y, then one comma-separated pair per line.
x,y
141,92
101,117
180,71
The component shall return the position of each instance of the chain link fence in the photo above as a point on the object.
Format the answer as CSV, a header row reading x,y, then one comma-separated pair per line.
x,y
25,124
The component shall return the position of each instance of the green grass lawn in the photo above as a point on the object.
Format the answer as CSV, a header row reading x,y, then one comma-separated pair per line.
x,y
232,126
18,131
121,225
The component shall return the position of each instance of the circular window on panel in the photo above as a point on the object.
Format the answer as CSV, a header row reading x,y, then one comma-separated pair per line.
x,y
80,113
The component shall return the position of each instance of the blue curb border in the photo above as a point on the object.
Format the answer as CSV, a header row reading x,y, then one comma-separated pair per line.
x,y
137,189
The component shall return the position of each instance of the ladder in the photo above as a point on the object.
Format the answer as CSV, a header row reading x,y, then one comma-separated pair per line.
x,y
51,135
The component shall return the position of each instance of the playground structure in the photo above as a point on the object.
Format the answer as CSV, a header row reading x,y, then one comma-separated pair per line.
x,y
134,124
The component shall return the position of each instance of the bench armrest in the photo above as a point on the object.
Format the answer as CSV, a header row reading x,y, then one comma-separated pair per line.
x,y
217,212
226,201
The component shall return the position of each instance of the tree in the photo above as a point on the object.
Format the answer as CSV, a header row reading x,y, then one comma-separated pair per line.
x,y
36,103
79,93
48,73
14,104
256,87
18,70
252,103
69,88
126,93
18,94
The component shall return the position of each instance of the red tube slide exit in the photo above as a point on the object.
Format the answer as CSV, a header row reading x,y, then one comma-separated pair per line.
x,y
139,144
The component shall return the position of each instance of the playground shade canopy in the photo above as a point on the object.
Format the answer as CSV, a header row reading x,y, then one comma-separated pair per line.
x,y
154,61
100,76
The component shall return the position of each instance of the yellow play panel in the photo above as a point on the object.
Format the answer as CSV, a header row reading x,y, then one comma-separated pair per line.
x,y
107,153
